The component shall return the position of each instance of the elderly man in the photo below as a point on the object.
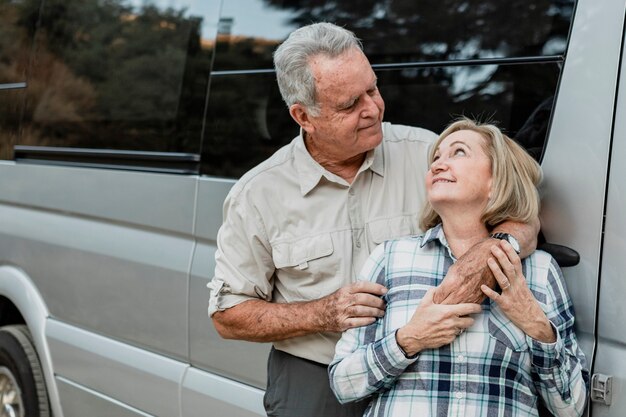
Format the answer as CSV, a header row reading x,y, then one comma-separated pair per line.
x,y
298,227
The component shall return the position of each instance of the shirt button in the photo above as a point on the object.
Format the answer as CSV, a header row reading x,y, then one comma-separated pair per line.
x,y
460,358
459,395
351,191
358,244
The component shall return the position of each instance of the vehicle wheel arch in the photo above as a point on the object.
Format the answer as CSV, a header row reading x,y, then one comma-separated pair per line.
x,y
23,304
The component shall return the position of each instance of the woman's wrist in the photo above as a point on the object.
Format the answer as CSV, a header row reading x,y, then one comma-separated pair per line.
x,y
542,331
406,343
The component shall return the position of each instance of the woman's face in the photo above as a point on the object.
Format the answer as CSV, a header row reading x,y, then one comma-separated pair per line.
x,y
460,174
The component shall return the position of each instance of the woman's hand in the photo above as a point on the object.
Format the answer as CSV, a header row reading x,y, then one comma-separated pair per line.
x,y
516,299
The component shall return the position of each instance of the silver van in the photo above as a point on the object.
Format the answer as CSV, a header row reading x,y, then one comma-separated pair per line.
x,y
124,123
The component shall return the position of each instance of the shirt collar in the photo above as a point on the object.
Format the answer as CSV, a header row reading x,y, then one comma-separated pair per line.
x,y
432,234
378,162
436,234
310,172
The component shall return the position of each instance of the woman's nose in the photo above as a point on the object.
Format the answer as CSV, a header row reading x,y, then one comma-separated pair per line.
x,y
438,165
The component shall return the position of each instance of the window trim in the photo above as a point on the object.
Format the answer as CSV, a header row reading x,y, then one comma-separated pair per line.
x,y
160,162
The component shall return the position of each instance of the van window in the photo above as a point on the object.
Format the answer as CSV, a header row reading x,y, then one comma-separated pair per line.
x,y
17,27
115,76
247,119
511,95
10,99
501,62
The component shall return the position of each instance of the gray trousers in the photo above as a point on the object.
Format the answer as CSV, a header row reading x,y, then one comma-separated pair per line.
x,y
298,387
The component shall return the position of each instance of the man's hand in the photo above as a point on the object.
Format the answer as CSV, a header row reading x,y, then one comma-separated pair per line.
x,y
434,325
354,305
464,278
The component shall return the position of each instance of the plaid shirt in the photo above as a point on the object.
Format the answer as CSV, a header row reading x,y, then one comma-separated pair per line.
x,y
491,369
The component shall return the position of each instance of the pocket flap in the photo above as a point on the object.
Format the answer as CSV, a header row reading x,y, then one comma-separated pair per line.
x,y
392,228
301,251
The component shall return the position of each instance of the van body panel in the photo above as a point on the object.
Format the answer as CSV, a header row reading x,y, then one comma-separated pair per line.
x,y
223,397
212,192
78,262
611,347
133,376
246,362
158,201
578,149
78,401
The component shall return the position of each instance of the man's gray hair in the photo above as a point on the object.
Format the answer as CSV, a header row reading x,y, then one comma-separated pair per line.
x,y
291,60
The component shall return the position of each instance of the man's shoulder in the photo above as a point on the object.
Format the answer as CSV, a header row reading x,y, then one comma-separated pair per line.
x,y
277,165
395,133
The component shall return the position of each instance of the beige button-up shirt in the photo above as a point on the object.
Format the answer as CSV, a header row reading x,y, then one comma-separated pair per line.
x,y
294,231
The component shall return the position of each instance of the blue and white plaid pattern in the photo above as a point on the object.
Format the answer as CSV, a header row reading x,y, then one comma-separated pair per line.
x,y
492,369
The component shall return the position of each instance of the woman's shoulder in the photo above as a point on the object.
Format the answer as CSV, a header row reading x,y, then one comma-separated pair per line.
x,y
414,242
542,271
539,259
410,252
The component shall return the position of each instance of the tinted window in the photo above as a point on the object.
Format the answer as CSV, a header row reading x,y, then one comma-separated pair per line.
x,y
435,59
399,30
17,26
247,121
517,97
112,75
10,107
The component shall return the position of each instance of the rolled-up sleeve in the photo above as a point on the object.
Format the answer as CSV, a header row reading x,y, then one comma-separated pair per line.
x,y
243,261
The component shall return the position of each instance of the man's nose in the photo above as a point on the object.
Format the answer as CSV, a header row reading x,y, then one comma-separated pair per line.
x,y
370,107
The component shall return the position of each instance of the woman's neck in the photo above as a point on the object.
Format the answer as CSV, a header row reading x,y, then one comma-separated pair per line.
x,y
463,230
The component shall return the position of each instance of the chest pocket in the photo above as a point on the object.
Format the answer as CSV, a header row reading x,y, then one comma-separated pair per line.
x,y
307,266
392,228
300,252
504,331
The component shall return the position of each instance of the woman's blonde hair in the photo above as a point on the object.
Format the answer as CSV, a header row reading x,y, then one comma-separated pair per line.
x,y
515,174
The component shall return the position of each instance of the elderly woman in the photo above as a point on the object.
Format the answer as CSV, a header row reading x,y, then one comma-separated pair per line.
x,y
501,358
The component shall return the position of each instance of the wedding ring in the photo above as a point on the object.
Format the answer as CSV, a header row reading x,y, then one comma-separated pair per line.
x,y
508,284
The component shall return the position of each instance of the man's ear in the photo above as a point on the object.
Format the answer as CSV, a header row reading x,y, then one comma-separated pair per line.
x,y
300,114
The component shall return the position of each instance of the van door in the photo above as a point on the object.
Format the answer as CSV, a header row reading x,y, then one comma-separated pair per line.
x,y
610,359
226,377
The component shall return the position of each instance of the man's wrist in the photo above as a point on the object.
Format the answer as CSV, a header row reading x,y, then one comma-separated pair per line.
x,y
509,238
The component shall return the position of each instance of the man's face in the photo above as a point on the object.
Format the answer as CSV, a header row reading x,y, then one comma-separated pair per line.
x,y
351,107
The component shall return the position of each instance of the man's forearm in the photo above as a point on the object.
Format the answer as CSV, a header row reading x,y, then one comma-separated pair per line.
x,y
525,233
262,321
